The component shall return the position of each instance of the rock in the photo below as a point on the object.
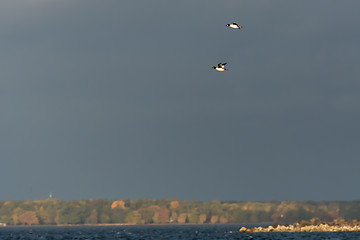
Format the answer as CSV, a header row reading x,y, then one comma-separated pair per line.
x,y
338,226
243,229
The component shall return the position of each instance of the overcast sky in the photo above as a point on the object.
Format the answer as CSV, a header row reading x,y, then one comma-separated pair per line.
x,y
117,99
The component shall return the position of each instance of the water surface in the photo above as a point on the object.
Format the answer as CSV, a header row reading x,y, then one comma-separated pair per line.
x,y
192,232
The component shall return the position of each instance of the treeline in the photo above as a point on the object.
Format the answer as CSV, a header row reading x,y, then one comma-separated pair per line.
x,y
170,211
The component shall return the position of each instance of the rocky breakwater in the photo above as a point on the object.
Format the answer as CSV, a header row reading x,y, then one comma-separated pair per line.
x,y
338,225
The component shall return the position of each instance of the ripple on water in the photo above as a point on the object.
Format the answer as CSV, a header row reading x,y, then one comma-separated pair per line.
x,y
198,232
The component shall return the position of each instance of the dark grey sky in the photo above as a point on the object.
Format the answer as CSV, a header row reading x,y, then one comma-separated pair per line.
x,y
117,99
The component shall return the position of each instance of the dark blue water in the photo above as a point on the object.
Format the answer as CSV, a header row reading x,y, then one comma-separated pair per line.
x,y
192,232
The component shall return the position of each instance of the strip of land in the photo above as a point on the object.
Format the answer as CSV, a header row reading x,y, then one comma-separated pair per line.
x,y
169,211
303,226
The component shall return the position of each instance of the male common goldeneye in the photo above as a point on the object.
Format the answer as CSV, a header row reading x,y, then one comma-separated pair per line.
x,y
220,67
233,25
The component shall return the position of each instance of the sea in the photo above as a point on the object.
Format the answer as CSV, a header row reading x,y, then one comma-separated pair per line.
x,y
145,232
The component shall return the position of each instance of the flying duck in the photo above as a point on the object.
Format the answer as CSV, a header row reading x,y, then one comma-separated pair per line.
x,y
220,67
233,25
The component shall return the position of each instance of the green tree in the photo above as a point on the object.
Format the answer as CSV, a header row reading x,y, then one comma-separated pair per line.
x,y
118,215
194,216
93,218
16,214
133,217
147,215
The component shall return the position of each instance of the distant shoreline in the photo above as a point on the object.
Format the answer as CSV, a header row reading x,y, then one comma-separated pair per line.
x,y
71,225
103,212
124,224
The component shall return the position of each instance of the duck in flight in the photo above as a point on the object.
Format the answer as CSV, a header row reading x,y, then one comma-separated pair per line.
x,y
220,67
233,25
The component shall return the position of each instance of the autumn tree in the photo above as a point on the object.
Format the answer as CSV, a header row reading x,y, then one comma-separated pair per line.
x,y
119,203
224,219
28,218
173,217
164,215
182,218
174,205
156,217
214,219
202,218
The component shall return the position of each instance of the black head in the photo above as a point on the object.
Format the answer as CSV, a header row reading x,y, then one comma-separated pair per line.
x,y
213,67
227,25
